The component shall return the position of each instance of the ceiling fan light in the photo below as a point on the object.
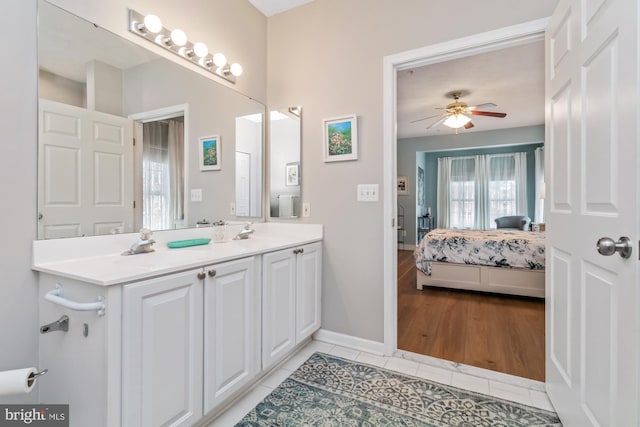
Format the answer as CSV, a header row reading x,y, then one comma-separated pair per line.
x,y
456,121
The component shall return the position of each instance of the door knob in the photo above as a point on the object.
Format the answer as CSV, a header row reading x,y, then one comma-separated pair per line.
x,y
607,247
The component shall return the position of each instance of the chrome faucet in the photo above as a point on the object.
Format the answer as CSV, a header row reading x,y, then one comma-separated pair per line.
x,y
245,232
143,245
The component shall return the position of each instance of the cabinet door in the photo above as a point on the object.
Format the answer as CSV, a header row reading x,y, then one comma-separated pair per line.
x,y
162,351
278,306
231,329
308,290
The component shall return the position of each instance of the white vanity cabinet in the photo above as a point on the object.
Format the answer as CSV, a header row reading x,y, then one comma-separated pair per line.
x,y
291,300
231,328
162,350
182,332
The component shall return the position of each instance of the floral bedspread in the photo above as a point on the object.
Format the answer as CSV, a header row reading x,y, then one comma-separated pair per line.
x,y
495,248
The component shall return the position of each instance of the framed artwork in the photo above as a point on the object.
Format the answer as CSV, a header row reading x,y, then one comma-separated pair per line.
x,y
340,139
210,150
403,185
292,174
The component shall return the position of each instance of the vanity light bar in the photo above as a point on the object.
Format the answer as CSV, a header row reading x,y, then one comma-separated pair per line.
x,y
150,27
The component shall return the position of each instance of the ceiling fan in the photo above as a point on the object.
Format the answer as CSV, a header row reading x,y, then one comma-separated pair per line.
x,y
457,113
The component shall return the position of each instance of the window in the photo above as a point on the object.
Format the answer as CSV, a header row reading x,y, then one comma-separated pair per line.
x,y
462,191
162,173
478,189
502,187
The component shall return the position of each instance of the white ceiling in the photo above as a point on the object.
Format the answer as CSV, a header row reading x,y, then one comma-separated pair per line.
x,y
271,7
512,78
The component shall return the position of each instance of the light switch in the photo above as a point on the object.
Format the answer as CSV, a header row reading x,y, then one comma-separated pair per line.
x,y
196,194
232,208
367,192
306,209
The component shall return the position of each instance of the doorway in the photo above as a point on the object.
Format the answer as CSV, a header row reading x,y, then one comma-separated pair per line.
x,y
494,40
160,160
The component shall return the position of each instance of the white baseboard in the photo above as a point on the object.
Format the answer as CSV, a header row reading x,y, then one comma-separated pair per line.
x,y
355,343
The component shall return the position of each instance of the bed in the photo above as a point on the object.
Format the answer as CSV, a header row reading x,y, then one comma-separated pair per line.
x,y
502,261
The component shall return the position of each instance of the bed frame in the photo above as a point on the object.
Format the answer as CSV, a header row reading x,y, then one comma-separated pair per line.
x,y
512,281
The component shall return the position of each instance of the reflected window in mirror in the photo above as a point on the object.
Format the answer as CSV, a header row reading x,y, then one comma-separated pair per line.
x,y
162,174
284,160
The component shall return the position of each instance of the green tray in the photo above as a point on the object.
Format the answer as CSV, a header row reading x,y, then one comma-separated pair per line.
x,y
186,243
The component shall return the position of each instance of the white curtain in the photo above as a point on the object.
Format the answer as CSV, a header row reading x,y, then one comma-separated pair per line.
x,y
522,207
540,185
474,190
443,200
176,169
482,177
162,174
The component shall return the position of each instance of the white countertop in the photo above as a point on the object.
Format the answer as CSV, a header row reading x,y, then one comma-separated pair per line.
x,y
98,259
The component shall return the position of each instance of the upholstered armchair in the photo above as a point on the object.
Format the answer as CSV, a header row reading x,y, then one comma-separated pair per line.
x,y
516,222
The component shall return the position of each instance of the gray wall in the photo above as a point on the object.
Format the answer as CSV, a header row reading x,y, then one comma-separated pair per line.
x,y
18,115
425,151
241,35
327,57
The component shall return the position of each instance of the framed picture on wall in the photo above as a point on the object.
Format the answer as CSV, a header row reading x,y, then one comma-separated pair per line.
x,y
210,153
403,185
292,174
340,139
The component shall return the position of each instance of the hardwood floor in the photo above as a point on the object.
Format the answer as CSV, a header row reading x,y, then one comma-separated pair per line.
x,y
498,332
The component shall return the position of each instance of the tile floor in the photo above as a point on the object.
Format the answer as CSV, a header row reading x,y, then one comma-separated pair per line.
x,y
531,396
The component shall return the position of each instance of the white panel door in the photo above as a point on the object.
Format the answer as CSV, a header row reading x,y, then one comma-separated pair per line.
x,y
85,172
231,328
278,305
243,183
308,290
592,191
162,351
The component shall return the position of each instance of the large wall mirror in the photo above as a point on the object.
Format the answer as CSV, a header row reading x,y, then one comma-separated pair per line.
x,y
198,152
284,163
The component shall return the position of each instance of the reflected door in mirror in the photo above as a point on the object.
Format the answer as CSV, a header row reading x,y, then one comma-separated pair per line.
x,y
85,170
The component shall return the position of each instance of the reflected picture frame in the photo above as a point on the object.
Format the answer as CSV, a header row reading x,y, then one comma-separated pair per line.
x,y
340,138
403,185
292,174
210,153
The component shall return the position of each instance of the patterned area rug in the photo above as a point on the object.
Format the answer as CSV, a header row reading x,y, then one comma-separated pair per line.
x,y
330,391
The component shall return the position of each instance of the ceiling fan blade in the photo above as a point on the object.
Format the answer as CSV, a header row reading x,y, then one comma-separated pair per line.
x,y
469,125
425,118
486,105
434,124
487,113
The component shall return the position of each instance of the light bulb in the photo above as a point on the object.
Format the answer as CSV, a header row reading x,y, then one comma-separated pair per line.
x,y
456,121
220,60
200,49
236,69
178,37
152,23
